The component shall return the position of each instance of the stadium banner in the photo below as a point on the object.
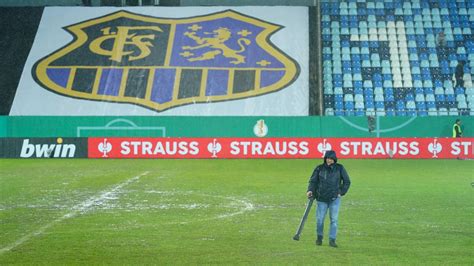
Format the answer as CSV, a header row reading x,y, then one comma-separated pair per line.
x,y
284,148
173,61
43,147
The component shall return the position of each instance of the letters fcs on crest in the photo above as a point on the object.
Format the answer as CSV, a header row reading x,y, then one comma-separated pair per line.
x,y
160,63
122,38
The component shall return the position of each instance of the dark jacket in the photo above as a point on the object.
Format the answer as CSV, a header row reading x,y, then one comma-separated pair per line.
x,y
327,182
459,72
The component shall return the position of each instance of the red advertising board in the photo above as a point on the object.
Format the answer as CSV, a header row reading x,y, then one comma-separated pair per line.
x,y
284,148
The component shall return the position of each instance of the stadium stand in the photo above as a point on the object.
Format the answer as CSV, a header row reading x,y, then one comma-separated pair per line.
x,y
386,57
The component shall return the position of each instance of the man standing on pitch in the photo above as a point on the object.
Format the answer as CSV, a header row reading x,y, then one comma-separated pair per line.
x,y
328,183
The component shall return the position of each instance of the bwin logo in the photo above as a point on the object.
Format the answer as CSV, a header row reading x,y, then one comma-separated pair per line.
x,y
58,150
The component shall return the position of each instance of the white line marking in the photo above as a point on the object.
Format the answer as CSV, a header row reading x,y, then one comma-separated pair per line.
x,y
381,130
132,126
238,206
247,206
78,209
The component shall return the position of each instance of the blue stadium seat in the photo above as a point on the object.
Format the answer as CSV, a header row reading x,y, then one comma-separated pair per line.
x,y
374,44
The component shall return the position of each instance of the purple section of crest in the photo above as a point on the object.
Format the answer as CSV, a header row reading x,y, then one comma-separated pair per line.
x,y
269,77
110,82
252,54
217,81
163,83
59,76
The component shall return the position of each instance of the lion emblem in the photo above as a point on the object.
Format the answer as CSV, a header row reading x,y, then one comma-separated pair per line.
x,y
218,46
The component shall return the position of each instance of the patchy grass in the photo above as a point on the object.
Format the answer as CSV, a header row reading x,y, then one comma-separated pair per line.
x,y
230,212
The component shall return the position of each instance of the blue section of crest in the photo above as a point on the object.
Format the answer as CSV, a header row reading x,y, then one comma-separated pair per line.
x,y
163,83
199,47
217,81
59,76
110,82
270,77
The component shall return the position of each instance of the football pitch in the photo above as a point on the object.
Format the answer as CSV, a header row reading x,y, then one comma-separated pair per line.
x,y
128,212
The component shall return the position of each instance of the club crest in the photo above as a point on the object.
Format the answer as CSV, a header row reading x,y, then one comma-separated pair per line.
x,y
161,63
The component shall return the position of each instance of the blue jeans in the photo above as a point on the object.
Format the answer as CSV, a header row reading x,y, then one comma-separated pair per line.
x,y
322,209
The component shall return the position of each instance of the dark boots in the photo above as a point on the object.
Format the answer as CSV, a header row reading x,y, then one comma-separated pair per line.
x,y
319,241
332,242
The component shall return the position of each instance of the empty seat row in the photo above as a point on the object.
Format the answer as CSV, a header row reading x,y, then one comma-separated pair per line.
x,y
385,57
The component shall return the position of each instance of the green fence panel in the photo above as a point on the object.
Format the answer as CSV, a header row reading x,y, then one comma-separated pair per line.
x,y
225,126
3,126
393,126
